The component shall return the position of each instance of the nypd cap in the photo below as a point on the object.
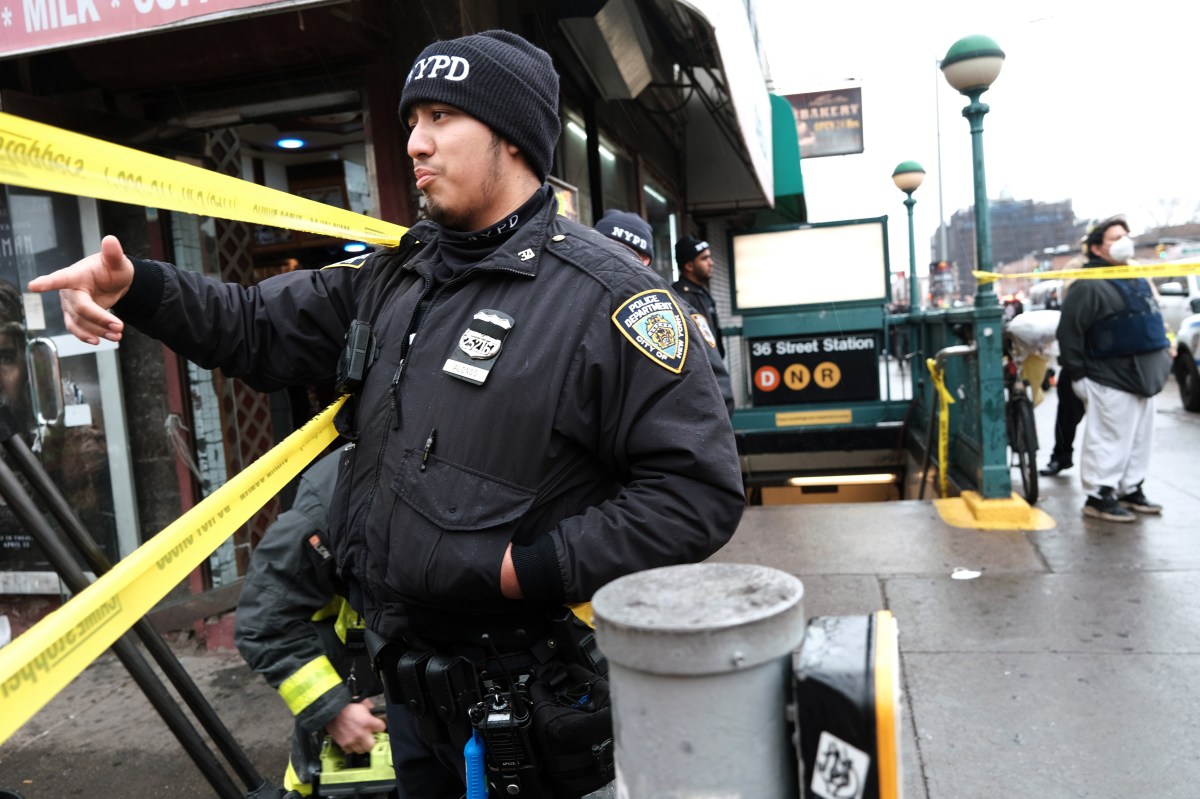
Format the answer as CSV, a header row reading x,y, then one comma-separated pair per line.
x,y
687,248
500,79
629,229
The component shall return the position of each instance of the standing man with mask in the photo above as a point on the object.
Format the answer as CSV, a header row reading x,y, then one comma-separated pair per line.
x,y
528,430
635,233
1114,349
695,261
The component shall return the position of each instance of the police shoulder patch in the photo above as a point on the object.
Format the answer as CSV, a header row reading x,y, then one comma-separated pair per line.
x,y
654,324
705,330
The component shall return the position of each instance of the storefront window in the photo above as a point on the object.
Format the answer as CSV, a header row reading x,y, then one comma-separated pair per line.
x,y
68,421
661,213
618,178
573,168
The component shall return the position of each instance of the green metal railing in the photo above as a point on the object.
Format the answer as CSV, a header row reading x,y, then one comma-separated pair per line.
x,y
978,444
978,454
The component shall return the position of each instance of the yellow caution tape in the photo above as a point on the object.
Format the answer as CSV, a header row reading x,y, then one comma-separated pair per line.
x,y
46,657
1099,272
39,156
945,400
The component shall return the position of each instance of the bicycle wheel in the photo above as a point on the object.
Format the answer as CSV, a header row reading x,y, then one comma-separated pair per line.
x,y
1023,440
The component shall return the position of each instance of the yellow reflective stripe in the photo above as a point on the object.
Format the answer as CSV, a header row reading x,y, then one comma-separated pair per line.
x,y
291,782
40,662
1098,272
347,619
332,607
583,612
311,681
887,704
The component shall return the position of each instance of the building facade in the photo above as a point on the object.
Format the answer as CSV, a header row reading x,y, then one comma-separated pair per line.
x,y
665,112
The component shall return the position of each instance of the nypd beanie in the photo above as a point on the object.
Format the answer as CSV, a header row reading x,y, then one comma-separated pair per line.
x,y
500,79
629,229
687,248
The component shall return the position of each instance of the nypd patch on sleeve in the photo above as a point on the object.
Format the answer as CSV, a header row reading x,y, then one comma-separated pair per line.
x,y
654,324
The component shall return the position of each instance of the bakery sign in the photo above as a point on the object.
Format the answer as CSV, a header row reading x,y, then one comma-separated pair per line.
x,y
31,26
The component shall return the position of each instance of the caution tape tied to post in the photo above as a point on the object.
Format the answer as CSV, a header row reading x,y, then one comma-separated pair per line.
x,y
45,658
945,400
39,156
1098,272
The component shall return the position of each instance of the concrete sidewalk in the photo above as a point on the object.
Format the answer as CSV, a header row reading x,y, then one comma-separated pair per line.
x,y
1067,669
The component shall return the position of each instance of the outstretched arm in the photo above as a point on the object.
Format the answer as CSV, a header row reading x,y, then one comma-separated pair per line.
x,y
88,288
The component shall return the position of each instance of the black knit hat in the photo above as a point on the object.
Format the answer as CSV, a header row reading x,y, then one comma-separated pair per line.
x,y
500,79
629,229
687,248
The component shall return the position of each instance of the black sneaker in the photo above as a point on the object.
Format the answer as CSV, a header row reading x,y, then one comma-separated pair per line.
x,y
1139,502
1107,507
1054,467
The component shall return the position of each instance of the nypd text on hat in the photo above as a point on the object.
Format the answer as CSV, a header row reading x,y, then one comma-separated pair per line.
x,y
446,67
629,237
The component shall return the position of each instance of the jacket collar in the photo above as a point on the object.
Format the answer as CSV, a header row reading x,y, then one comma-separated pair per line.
x,y
520,254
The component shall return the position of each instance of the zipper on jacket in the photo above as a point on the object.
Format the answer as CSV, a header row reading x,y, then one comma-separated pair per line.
x,y
428,447
424,306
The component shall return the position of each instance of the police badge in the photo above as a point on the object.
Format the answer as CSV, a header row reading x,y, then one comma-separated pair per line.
x,y
479,346
653,323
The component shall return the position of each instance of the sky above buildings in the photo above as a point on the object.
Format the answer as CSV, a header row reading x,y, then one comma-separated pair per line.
x,y
1094,105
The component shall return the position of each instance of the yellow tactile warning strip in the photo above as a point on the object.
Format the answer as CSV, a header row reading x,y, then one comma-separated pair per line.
x,y
974,512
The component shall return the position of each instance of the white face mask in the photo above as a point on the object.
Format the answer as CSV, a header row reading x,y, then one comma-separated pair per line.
x,y
1121,250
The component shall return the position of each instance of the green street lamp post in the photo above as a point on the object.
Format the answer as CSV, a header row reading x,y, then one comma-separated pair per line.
x,y
908,176
971,65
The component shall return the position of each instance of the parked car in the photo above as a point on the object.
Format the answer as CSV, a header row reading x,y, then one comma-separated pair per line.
x,y
1187,362
1178,297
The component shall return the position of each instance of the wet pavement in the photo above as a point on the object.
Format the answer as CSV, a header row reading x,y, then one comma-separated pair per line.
x,y
1068,668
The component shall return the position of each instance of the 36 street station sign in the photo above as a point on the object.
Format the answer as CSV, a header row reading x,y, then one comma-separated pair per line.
x,y
30,26
808,369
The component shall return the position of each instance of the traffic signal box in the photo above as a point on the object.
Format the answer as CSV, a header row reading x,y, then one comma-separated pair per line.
x,y
846,694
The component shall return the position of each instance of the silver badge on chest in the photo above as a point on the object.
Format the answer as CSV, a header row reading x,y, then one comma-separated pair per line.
x,y
481,343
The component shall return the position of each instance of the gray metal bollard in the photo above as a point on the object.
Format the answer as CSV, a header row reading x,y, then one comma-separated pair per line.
x,y
699,658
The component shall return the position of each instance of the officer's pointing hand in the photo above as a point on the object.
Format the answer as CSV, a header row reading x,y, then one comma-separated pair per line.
x,y
88,288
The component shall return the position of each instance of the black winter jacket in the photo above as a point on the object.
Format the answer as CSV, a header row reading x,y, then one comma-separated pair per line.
x,y
1089,302
598,444
290,608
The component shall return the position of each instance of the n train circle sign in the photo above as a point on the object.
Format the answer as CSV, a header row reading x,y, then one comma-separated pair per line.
x,y
841,367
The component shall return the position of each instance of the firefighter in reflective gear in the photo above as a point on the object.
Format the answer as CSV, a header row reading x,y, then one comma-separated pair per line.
x,y
296,629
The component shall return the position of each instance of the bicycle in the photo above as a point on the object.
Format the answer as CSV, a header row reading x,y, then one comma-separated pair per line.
x,y
1019,424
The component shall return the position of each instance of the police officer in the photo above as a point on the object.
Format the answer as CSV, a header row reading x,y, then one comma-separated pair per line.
x,y
695,261
636,234
295,627
534,424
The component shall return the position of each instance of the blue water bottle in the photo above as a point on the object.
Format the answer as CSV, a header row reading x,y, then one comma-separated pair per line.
x,y
477,787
